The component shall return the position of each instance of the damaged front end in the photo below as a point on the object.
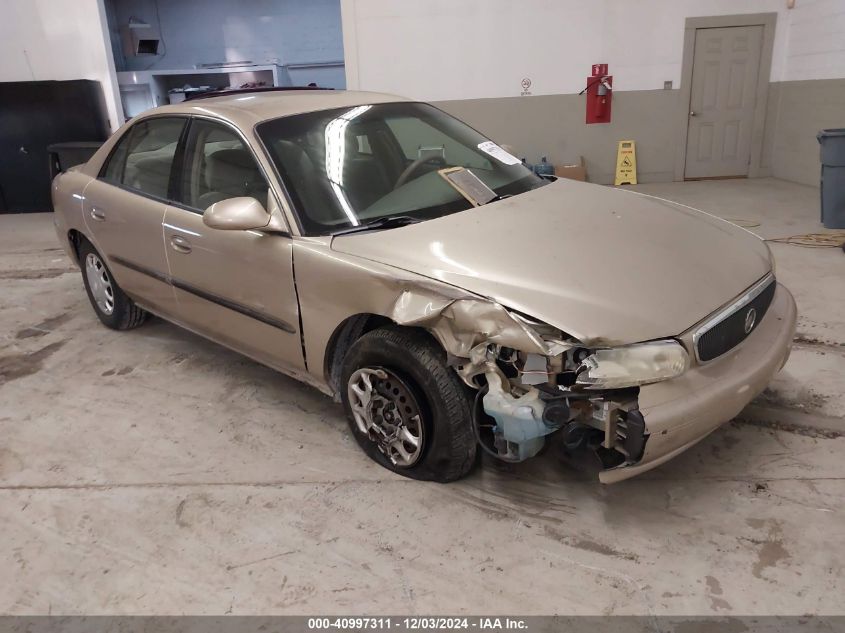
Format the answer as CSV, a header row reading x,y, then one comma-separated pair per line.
x,y
524,398
533,380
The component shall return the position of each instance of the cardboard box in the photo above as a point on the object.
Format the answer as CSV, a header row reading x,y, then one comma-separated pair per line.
x,y
573,172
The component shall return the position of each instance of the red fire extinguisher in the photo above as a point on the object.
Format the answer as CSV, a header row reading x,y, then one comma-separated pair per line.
x,y
599,95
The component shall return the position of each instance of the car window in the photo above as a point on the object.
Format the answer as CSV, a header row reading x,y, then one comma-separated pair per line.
x,y
218,166
144,156
350,166
418,138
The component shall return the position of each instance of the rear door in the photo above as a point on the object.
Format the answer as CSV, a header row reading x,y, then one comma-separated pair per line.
x,y
124,209
235,287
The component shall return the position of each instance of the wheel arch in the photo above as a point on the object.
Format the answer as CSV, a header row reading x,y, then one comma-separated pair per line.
x,y
344,335
75,238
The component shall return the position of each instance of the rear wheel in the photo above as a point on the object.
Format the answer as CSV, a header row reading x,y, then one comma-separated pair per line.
x,y
406,408
113,307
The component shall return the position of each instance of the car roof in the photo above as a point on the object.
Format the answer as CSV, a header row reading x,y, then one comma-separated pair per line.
x,y
246,109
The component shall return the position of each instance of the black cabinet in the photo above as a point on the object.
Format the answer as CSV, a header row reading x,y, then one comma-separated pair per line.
x,y
33,115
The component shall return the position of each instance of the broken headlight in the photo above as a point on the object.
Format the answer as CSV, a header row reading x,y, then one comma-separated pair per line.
x,y
632,365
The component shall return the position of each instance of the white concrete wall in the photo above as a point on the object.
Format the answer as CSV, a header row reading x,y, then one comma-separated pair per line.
x,y
810,95
472,55
465,49
815,46
58,39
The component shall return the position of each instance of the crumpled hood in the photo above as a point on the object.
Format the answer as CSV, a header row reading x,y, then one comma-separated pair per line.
x,y
604,265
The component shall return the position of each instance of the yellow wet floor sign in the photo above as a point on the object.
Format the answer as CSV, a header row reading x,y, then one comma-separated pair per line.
x,y
626,164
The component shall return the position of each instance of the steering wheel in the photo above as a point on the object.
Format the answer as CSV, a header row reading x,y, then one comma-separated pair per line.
x,y
415,165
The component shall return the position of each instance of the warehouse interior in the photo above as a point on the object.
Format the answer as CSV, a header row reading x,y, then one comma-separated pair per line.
x,y
156,472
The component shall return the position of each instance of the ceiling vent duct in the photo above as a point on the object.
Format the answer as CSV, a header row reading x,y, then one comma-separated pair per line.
x,y
139,38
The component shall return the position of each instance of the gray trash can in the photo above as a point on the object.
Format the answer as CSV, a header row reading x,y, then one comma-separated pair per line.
x,y
833,177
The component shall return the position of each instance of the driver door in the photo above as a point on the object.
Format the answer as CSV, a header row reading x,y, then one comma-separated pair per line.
x,y
233,286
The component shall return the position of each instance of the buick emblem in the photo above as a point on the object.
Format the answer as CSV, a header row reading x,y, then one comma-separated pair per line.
x,y
750,318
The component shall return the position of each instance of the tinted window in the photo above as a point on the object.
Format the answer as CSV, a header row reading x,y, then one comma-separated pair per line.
x,y
348,166
218,166
144,157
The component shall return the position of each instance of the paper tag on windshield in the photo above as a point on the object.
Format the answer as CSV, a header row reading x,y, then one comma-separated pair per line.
x,y
489,147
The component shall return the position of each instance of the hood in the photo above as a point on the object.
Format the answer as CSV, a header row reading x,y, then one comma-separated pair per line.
x,y
604,265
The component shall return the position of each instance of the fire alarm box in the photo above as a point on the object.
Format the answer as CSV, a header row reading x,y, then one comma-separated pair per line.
x,y
599,95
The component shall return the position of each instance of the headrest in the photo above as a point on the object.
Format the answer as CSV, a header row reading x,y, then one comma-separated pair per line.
x,y
233,171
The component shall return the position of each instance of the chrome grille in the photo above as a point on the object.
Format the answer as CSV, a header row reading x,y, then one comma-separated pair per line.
x,y
734,324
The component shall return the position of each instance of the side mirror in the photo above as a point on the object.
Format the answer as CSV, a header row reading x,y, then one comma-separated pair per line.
x,y
236,214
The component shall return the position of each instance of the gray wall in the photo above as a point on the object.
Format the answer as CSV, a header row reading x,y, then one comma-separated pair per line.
x,y
800,109
553,126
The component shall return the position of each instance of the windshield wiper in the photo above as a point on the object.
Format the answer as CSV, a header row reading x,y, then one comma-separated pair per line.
x,y
386,222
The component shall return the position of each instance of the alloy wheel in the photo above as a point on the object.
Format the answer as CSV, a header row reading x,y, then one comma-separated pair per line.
x,y
386,410
100,283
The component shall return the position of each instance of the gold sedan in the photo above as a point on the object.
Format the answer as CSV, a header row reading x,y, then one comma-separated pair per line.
x,y
401,262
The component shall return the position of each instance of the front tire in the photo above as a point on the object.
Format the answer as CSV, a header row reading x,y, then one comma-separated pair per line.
x,y
113,307
406,408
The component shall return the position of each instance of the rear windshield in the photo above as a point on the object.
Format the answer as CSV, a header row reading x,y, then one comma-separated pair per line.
x,y
348,166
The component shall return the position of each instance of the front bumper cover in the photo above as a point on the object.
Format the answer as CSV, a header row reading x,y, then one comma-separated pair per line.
x,y
682,411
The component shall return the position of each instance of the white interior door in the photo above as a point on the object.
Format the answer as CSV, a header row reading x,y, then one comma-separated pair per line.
x,y
725,71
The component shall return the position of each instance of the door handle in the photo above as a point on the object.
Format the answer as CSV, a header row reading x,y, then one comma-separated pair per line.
x,y
98,214
180,244
693,113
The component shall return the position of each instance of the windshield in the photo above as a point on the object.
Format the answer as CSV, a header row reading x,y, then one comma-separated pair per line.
x,y
351,166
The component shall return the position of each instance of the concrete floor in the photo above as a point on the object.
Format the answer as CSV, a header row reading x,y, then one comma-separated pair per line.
x,y
154,472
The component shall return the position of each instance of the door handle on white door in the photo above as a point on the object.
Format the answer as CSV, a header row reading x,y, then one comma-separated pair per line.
x,y
693,113
180,244
98,214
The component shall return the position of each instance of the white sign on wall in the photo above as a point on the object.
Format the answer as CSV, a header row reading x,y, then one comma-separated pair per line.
x,y
526,86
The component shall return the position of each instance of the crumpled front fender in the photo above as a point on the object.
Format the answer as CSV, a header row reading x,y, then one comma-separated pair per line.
x,y
334,287
460,325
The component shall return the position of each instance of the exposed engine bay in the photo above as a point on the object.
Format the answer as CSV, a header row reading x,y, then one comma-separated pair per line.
x,y
524,398
532,381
